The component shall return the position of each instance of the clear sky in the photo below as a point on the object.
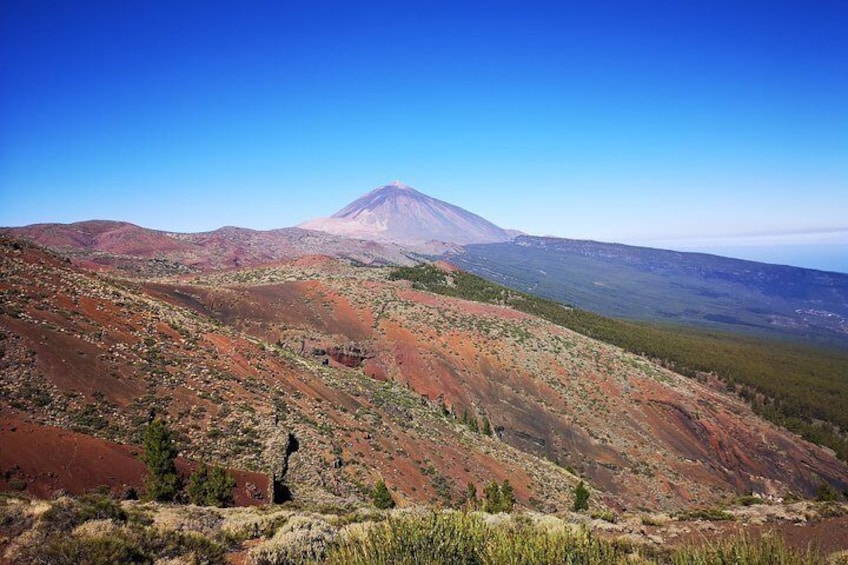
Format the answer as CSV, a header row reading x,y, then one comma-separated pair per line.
x,y
711,124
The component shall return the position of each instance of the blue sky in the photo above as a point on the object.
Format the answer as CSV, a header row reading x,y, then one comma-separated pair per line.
x,y
707,124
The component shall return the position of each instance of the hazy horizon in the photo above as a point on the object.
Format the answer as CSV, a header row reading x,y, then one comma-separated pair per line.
x,y
706,124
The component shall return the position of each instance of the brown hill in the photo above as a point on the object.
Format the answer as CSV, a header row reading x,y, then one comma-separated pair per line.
x,y
340,376
137,251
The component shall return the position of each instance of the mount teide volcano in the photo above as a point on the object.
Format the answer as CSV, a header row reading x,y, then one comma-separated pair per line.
x,y
399,213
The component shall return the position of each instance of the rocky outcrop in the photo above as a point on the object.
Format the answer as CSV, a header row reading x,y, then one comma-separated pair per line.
x,y
351,355
281,451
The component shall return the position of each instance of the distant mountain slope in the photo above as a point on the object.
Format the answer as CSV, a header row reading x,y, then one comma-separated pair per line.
x,y
401,214
141,251
652,284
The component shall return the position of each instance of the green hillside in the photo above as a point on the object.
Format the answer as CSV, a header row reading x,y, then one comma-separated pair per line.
x,y
697,290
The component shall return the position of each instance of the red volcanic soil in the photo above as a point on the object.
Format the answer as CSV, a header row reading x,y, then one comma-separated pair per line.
x,y
105,236
446,267
51,460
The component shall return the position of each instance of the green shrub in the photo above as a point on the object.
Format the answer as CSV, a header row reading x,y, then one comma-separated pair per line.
x,y
648,520
100,550
66,514
17,483
381,497
210,487
709,514
471,495
498,498
605,515
749,500
826,493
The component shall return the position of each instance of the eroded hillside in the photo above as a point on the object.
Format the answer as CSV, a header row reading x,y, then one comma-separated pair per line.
x,y
368,378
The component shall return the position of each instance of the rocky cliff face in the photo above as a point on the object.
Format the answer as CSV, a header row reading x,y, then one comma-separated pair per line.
x,y
399,213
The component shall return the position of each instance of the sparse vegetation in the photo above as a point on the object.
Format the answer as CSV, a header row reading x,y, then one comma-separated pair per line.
x,y
800,387
768,550
826,493
459,538
96,529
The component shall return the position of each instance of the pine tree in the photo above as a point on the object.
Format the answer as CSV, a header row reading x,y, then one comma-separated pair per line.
x,y
498,498
221,485
381,497
162,483
581,497
507,496
471,495
196,489
211,487
487,427
473,425
492,494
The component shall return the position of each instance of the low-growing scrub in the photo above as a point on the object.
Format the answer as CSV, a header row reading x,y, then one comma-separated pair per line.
x,y
749,500
605,515
463,538
301,540
133,544
95,529
651,520
709,514
768,550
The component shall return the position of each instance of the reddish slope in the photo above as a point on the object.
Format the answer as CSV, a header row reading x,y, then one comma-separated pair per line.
x,y
121,238
648,435
47,460
145,252
90,354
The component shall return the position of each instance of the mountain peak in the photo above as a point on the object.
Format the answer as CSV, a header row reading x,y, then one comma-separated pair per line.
x,y
398,213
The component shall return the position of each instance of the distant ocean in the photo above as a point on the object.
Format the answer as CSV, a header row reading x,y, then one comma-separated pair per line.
x,y
824,257
825,250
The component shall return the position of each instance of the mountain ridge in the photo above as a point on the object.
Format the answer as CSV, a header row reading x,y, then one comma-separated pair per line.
x,y
135,250
638,283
